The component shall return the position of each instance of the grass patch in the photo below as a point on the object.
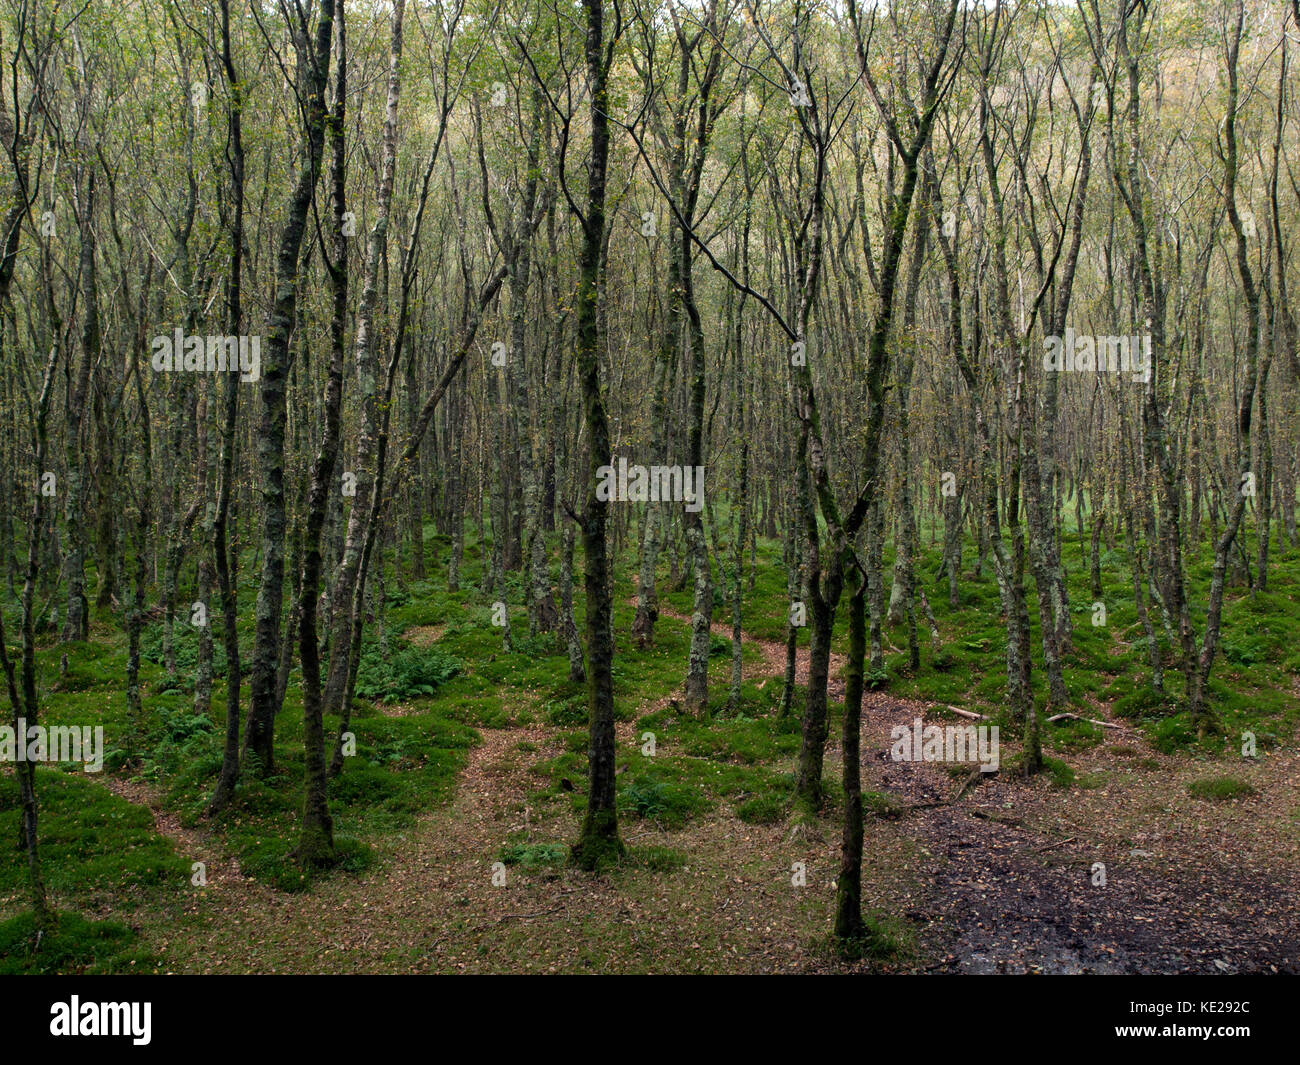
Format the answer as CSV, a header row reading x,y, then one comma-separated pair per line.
x,y
656,859
73,946
1220,789
651,797
93,845
533,856
762,810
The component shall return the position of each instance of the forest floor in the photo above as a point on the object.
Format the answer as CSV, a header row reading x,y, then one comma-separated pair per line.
x,y
1000,881
1124,857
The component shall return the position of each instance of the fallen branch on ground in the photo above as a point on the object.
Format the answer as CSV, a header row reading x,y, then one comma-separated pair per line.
x,y
967,713
1079,717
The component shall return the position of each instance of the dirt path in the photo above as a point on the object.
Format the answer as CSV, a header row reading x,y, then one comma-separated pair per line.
x,y
220,870
1132,875
1125,874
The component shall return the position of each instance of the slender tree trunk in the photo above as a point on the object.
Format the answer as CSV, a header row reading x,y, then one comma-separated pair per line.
x,y
222,555
599,839
343,624
316,841
260,732
848,884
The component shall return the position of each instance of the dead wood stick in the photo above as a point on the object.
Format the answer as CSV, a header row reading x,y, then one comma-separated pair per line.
x,y
518,917
929,617
1080,717
975,774
995,817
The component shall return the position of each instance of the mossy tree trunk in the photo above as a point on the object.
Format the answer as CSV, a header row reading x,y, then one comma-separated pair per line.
x,y
599,840
316,841
313,65
222,555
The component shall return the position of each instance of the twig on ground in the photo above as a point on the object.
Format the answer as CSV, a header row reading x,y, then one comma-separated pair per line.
x,y
1080,717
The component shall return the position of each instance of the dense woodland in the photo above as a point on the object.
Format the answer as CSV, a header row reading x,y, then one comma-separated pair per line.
x,y
327,328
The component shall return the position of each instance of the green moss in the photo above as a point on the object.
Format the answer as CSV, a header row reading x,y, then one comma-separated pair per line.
x,y
599,846
1060,774
886,807
1220,789
73,945
1072,735
762,810
93,844
650,795
883,938
656,859
532,856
